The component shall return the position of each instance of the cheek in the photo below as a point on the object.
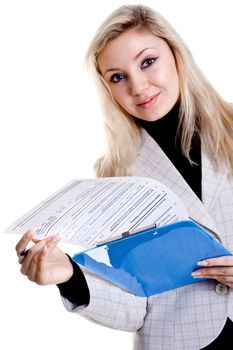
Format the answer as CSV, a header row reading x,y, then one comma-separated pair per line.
x,y
172,74
175,86
168,79
119,94
165,76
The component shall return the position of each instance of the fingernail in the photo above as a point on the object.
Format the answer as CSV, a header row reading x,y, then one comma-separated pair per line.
x,y
196,274
202,263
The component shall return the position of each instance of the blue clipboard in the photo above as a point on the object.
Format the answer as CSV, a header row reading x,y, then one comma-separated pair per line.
x,y
154,260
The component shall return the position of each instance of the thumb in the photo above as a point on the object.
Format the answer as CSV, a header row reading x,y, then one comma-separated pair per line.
x,y
36,239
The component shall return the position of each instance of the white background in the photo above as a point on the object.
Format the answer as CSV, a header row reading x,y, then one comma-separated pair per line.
x,y
51,133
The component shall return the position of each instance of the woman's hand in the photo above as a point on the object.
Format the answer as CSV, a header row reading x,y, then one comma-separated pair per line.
x,y
44,263
220,269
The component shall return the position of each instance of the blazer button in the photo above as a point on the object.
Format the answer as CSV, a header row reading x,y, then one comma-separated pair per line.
x,y
221,288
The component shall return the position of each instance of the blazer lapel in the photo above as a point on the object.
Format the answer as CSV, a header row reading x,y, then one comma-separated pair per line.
x,y
152,162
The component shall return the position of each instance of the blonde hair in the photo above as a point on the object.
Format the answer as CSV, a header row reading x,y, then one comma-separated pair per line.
x,y
202,109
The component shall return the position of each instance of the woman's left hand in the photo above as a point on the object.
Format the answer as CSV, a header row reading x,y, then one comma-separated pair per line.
x,y
220,269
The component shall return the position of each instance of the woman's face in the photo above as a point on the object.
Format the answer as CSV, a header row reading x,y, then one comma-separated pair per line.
x,y
140,71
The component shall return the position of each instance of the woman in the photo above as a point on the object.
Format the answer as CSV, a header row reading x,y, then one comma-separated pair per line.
x,y
163,120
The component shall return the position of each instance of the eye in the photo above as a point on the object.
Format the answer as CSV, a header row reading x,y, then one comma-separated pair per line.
x,y
148,62
116,78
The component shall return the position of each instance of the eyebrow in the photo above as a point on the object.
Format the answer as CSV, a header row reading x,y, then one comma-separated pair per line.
x,y
135,58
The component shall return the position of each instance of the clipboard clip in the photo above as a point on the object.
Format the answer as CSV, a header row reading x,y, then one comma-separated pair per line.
x,y
126,234
133,232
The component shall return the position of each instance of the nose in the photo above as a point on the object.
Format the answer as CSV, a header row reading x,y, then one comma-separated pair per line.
x,y
138,84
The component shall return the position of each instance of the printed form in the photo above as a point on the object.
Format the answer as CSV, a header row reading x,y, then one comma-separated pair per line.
x,y
89,211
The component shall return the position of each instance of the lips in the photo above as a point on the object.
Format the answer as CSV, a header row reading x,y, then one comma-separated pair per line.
x,y
148,101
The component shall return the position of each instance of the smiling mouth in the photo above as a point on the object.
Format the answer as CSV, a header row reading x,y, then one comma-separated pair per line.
x,y
149,102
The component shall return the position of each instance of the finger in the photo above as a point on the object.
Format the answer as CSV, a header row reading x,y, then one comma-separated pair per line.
x,y
213,271
41,268
30,268
36,240
37,272
38,263
50,241
24,252
51,244
45,251
23,242
31,254
32,259
220,261
225,279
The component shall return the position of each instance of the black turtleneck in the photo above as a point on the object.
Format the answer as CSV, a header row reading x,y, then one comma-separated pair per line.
x,y
164,132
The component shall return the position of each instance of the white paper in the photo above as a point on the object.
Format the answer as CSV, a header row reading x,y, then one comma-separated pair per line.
x,y
86,212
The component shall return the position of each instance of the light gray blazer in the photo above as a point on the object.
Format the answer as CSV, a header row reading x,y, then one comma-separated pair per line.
x,y
185,318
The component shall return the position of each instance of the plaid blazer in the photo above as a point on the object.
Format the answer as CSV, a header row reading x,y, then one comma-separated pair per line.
x,y
185,318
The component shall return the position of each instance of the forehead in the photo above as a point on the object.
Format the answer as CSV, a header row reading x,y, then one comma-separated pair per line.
x,y
128,45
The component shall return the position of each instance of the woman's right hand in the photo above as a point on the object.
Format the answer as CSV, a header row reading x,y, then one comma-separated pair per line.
x,y
44,262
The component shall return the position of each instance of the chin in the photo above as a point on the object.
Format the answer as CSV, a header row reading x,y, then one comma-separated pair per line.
x,y
151,118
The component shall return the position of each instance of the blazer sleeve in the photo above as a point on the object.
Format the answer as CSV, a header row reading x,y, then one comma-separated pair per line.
x,y
110,305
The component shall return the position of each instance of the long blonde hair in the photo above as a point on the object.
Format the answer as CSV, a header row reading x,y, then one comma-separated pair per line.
x,y
201,107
